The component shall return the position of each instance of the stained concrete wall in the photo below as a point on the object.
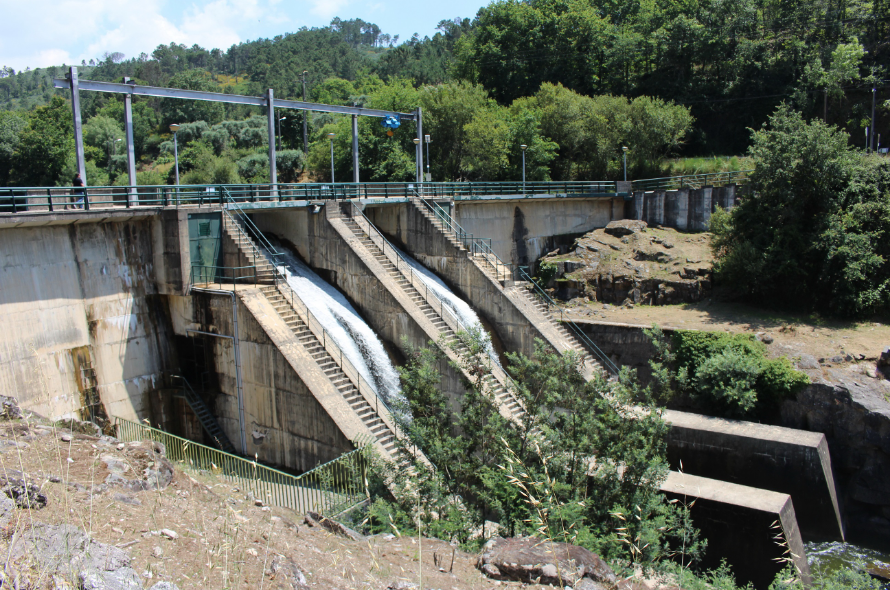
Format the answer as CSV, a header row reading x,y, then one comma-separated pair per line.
x,y
521,231
738,522
684,209
284,423
81,318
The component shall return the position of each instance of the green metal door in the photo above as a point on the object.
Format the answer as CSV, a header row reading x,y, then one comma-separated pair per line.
x,y
204,247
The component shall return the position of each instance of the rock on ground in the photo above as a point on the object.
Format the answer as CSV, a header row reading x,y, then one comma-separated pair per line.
x,y
315,519
287,573
9,408
625,227
22,492
528,559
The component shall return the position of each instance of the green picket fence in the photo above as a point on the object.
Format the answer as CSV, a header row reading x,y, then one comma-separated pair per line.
x,y
328,489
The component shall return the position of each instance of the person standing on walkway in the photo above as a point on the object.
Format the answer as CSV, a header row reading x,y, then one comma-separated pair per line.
x,y
78,190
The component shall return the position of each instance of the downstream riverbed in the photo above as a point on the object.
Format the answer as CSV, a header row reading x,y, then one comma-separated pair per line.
x,y
834,555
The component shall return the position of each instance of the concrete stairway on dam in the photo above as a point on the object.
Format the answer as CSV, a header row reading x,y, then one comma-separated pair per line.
x,y
372,412
518,292
383,432
398,276
248,252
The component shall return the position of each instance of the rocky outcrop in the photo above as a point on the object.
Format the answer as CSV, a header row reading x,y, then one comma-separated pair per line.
x,y
625,227
854,414
529,559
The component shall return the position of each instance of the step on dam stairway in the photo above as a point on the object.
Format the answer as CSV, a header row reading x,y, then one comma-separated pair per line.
x,y
399,274
502,274
362,401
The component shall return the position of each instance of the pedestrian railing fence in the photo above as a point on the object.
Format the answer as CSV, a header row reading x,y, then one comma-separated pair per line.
x,y
328,489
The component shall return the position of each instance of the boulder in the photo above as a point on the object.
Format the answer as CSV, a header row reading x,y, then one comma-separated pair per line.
x,y
287,573
25,494
625,227
315,519
527,559
9,408
69,552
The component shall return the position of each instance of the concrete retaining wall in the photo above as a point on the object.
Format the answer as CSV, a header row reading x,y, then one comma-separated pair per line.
x,y
738,522
684,209
521,231
81,318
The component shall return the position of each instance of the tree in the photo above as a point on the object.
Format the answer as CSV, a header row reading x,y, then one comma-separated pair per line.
x,y
770,250
45,146
177,110
12,125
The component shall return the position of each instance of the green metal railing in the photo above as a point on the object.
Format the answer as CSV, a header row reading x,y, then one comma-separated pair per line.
x,y
328,489
55,199
672,183
224,275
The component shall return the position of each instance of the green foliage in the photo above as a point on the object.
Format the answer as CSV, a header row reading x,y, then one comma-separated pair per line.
x,y
45,146
811,235
535,477
824,578
185,111
12,125
722,374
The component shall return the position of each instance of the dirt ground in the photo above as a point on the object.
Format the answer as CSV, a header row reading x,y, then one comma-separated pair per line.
x,y
224,540
836,343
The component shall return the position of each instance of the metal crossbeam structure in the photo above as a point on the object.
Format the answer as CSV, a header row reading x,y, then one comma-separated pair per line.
x,y
129,89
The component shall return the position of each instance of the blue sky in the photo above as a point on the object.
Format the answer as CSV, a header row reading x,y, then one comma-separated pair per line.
x,y
40,33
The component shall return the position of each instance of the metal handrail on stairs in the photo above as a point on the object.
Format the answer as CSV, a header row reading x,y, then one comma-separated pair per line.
x,y
407,271
211,426
318,331
478,244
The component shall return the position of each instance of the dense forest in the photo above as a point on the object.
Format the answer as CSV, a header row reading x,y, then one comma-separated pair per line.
x,y
573,79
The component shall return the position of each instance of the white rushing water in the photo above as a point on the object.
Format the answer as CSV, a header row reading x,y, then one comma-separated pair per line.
x,y
458,306
342,322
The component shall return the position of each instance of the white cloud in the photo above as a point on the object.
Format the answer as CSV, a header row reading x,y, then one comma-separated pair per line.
x,y
328,9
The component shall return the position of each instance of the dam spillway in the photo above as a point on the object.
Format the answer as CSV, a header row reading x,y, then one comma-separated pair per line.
x,y
100,305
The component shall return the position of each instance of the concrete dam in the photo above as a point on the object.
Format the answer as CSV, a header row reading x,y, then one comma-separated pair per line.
x,y
288,319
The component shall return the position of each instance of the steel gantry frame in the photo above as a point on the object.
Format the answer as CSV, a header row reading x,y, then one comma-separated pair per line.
x,y
129,89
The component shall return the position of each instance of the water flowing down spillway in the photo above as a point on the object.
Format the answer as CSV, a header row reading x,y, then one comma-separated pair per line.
x,y
349,331
458,306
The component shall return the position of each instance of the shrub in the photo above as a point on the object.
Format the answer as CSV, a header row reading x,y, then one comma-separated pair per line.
x,y
724,374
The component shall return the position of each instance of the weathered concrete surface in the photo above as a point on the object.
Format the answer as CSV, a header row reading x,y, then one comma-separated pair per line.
x,y
737,522
521,231
684,209
81,320
293,415
854,414
785,460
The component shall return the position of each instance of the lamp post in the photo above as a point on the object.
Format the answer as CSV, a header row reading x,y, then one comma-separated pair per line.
x,y
174,127
305,115
417,149
279,132
331,136
624,156
523,147
427,139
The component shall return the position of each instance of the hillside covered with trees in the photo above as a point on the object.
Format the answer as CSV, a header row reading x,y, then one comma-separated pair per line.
x,y
574,80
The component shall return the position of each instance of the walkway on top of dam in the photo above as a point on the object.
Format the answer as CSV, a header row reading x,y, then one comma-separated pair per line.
x,y
16,200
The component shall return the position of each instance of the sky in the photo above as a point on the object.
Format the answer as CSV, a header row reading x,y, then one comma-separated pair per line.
x,y
41,33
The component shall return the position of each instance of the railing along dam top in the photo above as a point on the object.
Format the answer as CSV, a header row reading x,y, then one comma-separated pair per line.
x,y
15,200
